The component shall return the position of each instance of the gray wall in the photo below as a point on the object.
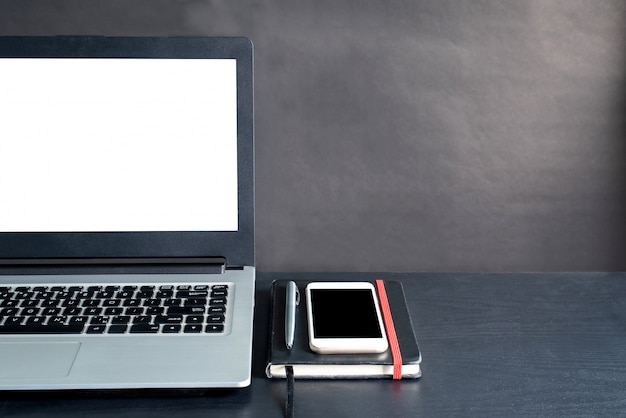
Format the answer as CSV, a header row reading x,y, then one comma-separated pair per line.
x,y
425,135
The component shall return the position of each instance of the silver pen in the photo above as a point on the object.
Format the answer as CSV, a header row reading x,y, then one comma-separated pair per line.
x,y
293,299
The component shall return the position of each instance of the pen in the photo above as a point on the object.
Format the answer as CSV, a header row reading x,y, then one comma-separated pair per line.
x,y
293,299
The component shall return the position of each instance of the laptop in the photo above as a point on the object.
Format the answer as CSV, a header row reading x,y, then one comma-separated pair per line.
x,y
126,212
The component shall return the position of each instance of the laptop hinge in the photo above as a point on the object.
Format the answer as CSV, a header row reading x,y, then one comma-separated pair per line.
x,y
130,265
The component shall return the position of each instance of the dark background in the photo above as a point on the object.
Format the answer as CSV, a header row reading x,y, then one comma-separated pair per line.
x,y
424,135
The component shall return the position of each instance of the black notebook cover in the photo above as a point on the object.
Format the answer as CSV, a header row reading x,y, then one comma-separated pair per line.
x,y
308,364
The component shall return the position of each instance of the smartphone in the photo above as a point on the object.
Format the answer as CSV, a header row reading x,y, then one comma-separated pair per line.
x,y
344,317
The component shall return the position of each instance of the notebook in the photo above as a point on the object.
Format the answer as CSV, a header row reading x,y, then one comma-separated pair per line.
x,y
306,364
126,212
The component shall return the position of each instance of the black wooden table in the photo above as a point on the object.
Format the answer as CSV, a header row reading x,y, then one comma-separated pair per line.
x,y
492,345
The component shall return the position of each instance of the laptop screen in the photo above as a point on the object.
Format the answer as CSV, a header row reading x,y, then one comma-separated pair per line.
x,y
126,147
93,145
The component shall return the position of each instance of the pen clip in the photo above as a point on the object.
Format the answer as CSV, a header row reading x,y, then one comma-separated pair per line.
x,y
297,296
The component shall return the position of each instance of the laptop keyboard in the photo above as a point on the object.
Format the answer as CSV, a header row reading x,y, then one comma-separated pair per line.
x,y
110,309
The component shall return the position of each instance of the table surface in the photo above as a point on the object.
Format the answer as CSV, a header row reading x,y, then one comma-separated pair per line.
x,y
492,345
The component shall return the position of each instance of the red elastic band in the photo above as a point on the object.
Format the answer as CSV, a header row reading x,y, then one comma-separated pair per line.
x,y
396,356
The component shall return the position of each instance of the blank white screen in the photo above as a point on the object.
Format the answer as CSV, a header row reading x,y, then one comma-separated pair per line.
x,y
118,145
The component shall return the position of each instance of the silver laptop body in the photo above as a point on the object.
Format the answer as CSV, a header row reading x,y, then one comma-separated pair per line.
x,y
126,212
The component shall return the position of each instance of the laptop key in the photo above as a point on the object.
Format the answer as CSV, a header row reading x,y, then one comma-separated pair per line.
x,y
9,303
168,293
113,311
189,310
195,302
155,310
14,320
215,319
57,320
63,329
195,319
99,320
144,329
51,311
30,311
211,328
117,329
133,311
152,302
172,302
171,328
70,303
92,311
9,311
104,294
125,294
193,328
78,320
184,294
96,329
111,303
220,309
120,320
142,319
168,319
72,311
29,303
218,301
219,293
36,320
90,303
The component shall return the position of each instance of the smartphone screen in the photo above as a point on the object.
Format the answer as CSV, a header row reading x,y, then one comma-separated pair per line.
x,y
344,313
344,317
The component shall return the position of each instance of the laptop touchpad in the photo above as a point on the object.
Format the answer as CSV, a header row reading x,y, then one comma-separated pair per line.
x,y
37,359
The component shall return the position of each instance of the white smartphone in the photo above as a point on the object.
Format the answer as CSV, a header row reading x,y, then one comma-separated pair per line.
x,y
344,317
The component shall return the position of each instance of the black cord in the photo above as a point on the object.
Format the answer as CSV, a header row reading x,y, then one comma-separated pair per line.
x,y
290,384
